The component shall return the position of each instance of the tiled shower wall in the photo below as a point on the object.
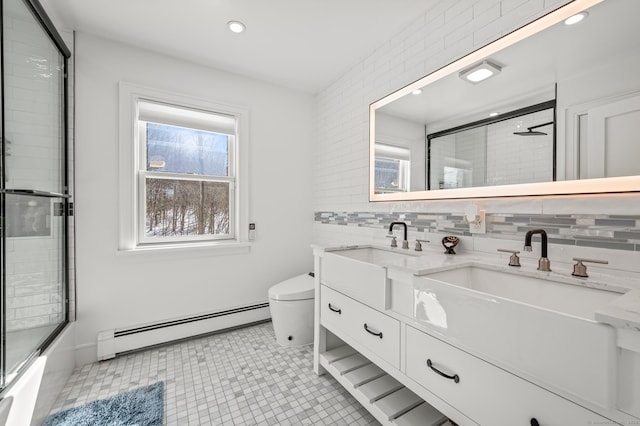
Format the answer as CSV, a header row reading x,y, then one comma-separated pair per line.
x,y
618,232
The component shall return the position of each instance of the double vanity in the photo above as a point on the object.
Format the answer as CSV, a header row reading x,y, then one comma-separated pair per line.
x,y
419,337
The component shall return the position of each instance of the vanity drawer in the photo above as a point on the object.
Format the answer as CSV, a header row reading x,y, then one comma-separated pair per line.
x,y
374,330
484,392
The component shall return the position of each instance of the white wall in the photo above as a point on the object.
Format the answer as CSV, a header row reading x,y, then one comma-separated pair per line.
x,y
122,290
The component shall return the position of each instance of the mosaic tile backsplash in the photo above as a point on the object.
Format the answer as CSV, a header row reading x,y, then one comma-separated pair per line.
x,y
617,232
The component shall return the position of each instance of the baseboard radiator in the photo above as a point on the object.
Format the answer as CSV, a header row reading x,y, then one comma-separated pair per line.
x,y
115,341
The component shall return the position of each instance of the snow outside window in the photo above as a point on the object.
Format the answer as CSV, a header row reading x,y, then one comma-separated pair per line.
x,y
185,174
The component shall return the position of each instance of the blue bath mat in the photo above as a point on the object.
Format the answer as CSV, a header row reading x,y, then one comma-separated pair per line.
x,y
140,407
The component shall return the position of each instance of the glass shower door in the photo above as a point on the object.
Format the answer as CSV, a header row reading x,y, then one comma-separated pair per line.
x,y
34,186
34,279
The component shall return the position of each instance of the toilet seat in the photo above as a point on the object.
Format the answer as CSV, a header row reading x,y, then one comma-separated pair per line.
x,y
296,288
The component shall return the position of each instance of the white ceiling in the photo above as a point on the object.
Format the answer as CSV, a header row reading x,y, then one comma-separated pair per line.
x,y
301,44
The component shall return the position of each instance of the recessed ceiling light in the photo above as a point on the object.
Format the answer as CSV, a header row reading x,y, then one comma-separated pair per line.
x,y
480,72
575,18
494,114
417,91
236,26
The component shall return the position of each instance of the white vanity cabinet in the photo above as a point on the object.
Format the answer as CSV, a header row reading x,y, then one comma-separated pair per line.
x,y
373,330
367,339
628,373
484,392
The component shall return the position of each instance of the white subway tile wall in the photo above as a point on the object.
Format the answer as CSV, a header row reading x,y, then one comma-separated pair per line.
x,y
32,72
534,152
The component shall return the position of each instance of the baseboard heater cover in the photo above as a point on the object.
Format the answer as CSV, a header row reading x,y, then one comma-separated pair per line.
x,y
114,341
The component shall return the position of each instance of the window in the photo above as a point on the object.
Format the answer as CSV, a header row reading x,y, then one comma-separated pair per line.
x,y
392,168
184,184
185,178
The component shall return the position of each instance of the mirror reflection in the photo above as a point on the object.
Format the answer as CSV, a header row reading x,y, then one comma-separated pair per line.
x,y
517,147
557,105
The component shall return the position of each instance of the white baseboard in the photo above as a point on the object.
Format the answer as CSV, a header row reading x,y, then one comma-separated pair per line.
x,y
112,342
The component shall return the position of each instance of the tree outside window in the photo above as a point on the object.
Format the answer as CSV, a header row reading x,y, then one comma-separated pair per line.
x,y
186,185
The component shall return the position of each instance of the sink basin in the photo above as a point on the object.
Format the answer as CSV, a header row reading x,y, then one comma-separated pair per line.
x,y
345,269
377,255
534,324
548,293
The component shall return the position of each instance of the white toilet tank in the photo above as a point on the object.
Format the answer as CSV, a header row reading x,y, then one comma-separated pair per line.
x,y
291,306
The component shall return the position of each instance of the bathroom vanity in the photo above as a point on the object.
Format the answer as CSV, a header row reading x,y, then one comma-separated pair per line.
x,y
418,337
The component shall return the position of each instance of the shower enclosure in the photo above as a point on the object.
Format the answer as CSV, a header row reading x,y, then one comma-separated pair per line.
x,y
34,190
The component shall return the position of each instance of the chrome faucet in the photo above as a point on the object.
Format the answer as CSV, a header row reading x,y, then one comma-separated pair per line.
x,y
405,242
543,263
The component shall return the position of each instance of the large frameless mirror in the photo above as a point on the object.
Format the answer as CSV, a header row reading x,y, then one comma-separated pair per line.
x,y
547,109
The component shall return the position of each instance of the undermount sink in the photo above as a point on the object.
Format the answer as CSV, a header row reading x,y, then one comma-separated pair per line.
x,y
547,292
535,324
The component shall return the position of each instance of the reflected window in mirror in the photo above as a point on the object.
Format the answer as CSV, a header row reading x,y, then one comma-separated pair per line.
x,y
393,168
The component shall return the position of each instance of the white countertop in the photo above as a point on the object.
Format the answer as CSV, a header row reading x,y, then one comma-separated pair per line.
x,y
622,312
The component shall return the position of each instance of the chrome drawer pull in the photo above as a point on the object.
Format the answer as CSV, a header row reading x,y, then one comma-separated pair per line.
x,y
331,308
372,332
455,377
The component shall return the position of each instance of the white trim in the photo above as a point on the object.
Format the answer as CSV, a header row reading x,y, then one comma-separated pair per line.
x,y
128,157
572,115
186,117
188,250
598,139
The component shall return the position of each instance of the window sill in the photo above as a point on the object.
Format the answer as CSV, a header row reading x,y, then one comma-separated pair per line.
x,y
208,249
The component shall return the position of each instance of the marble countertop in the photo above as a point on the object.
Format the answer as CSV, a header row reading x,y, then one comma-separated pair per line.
x,y
624,312
621,312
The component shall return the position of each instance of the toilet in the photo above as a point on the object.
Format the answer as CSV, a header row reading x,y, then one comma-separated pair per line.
x,y
291,306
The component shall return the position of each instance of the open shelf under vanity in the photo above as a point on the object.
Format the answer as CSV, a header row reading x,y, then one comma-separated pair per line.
x,y
388,400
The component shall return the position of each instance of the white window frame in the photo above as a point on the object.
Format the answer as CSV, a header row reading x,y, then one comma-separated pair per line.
x,y
132,162
143,174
